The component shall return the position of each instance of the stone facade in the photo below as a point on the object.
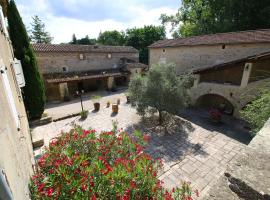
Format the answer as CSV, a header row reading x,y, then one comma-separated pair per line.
x,y
231,86
16,156
188,58
69,68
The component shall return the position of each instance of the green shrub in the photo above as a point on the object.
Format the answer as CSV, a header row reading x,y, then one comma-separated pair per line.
x,y
84,114
80,165
257,112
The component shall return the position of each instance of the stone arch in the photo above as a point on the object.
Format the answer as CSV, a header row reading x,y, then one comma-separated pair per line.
x,y
215,101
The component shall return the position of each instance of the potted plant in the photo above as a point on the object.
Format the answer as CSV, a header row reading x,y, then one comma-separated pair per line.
x,y
84,114
115,108
118,101
128,97
108,104
96,102
215,115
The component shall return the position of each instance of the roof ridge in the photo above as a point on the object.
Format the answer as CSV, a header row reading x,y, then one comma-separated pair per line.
x,y
223,33
246,36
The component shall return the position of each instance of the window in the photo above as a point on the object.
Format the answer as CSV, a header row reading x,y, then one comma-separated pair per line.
x,y
81,56
9,95
109,55
64,69
164,50
223,46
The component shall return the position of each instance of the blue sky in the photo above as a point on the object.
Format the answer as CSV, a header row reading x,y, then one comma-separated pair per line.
x,y
84,17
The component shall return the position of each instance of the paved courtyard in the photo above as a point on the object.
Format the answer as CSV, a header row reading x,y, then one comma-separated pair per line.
x,y
198,151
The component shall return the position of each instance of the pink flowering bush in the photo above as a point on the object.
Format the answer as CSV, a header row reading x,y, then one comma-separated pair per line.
x,y
215,115
80,165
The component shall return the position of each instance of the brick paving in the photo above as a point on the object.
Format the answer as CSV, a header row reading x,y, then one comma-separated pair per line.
x,y
197,154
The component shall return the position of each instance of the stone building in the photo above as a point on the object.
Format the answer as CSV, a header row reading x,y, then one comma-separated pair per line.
x,y
70,68
230,68
16,157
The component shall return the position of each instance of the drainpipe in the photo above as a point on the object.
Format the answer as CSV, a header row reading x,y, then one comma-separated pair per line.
x,y
5,192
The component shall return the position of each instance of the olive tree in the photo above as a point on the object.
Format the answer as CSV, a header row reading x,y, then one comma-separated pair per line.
x,y
160,90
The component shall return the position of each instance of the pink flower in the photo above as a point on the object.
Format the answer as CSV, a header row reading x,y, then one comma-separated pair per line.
x,y
50,192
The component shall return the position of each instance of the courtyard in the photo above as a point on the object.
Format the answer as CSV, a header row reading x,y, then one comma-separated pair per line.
x,y
198,151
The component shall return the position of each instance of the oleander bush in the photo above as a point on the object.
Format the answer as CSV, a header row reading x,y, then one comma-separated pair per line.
x,y
81,164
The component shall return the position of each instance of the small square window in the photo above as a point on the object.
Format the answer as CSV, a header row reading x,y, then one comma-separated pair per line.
x,y
109,55
64,69
223,46
164,50
81,56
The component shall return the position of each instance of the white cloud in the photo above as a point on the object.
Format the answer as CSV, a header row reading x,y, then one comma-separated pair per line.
x,y
62,28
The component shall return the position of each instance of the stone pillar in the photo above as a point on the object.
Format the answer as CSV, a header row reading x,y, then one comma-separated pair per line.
x,y
110,82
197,78
63,90
246,75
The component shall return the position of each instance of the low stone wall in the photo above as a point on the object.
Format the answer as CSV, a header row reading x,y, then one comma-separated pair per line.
x,y
248,177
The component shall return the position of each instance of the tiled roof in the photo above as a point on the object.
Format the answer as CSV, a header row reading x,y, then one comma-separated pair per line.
x,y
265,55
82,48
252,36
85,75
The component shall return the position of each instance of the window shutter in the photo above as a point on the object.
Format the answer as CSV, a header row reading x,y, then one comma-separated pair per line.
x,y
3,22
9,95
16,64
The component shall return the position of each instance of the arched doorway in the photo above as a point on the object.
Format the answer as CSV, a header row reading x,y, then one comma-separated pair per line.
x,y
215,101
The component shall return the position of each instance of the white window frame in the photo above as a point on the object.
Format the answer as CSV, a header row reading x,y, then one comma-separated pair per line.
x,y
10,98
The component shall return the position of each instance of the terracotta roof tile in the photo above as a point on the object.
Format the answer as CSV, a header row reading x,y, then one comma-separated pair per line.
x,y
82,48
252,36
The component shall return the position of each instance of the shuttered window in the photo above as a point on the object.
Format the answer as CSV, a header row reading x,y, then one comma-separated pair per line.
x,y
10,97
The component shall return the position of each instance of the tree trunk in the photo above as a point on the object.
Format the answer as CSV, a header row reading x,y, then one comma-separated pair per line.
x,y
160,119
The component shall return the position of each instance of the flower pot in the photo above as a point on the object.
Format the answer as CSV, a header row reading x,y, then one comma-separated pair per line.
x,y
108,104
128,99
97,106
115,108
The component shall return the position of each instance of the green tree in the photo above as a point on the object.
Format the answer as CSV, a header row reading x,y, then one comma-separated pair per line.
x,y
161,90
74,39
258,111
196,17
141,38
86,41
113,38
38,33
33,92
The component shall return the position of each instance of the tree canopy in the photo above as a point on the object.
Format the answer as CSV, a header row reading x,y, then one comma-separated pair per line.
x,y
38,34
83,41
113,38
160,90
196,17
33,92
141,38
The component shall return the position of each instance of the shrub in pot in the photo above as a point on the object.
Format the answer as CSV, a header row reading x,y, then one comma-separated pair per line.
x,y
108,104
84,114
81,164
128,98
96,102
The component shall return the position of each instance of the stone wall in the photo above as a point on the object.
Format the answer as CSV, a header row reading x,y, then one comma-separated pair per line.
x,y
248,176
194,57
54,62
16,157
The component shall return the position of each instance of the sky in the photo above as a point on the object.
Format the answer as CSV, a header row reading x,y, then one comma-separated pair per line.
x,y
90,17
